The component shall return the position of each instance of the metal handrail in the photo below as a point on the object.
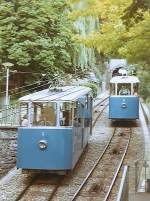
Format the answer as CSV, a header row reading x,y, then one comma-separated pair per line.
x,y
120,196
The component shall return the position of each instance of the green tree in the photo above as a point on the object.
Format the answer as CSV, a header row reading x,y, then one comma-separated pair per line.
x,y
36,35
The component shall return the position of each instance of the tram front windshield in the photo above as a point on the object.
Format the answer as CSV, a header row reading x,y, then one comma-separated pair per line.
x,y
44,114
65,115
47,114
124,89
52,114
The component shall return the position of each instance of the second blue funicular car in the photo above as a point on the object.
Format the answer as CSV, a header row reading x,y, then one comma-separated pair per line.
x,y
124,99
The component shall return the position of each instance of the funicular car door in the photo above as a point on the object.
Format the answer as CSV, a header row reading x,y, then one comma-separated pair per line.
x,y
81,118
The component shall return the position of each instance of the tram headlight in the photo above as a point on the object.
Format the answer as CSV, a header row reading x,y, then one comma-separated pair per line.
x,y
124,105
43,144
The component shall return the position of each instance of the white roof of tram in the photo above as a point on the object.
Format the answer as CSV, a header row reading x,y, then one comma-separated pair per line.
x,y
68,93
124,79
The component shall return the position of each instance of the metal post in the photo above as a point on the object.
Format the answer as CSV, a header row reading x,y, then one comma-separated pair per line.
x,y
58,114
7,88
116,88
29,114
7,65
145,177
136,176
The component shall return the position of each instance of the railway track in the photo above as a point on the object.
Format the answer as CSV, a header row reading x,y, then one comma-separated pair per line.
x,y
41,187
98,110
100,180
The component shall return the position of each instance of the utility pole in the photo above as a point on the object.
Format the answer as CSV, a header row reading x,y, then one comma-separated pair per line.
x,y
7,88
7,65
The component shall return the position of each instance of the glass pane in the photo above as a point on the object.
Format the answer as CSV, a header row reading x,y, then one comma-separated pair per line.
x,y
75,118
24,114
124,89
87,100
135,89
44,114
66,114
112,89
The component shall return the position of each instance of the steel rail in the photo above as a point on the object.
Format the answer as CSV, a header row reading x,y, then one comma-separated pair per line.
x,y
118,170
100,113
56,188
101,101
93,168
26,188
52,194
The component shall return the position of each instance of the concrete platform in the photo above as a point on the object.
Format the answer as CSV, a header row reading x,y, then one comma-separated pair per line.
x,y
139,197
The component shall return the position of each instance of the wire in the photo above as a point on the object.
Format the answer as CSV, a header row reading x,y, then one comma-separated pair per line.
x,y
27,72
22,87
36,100
26,90
21,92
3,92
29,89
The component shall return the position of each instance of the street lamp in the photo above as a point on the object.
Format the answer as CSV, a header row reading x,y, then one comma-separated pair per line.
x,y
7,65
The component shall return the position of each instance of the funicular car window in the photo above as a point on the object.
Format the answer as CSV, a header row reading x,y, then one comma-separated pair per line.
x,y
87,101
112,89
124,89
44,114
24,114
135,89
75,113
81,109
66,109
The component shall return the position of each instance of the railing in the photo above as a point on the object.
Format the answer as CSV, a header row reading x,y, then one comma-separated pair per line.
x,y
144,182
9,117
146,112
124,186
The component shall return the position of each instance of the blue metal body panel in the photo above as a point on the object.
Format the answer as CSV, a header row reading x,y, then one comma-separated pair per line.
x,y
65,145
58,154
123,107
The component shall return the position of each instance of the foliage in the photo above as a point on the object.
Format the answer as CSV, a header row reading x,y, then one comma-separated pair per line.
x,y
132,11
137,47
36,35
124,33
94,88
108,39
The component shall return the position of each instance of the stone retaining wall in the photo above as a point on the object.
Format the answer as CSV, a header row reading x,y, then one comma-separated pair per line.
x,y
7,151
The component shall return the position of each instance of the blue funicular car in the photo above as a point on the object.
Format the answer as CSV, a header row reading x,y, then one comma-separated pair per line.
x,y
124,99
54,128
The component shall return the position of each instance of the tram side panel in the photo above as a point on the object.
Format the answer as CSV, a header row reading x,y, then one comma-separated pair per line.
x,y
123,107
81,128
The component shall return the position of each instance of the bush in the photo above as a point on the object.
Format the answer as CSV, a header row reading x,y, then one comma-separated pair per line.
x,y
94,88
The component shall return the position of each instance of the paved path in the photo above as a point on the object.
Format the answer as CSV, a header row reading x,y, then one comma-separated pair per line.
x,y
142,195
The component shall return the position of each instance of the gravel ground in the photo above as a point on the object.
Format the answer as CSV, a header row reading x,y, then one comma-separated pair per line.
x,y
135,154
